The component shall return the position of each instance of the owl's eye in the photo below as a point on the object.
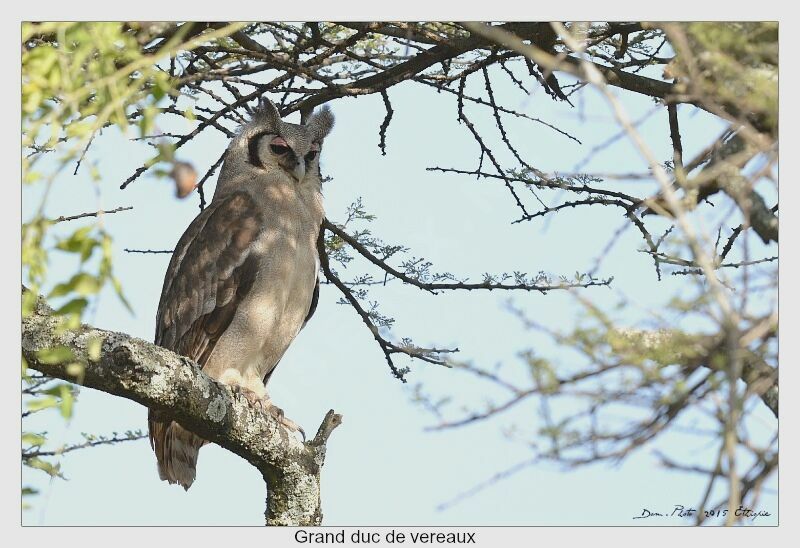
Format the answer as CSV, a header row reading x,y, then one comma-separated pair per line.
x,y
279,146
311,154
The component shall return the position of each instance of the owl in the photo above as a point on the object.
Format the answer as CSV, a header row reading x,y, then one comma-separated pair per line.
x,y
242,281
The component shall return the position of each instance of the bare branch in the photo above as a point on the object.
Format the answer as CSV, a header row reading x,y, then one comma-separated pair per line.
x,y
91,214
433,287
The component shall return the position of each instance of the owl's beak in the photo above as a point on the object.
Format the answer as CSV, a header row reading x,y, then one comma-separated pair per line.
x,y
293,165
299,171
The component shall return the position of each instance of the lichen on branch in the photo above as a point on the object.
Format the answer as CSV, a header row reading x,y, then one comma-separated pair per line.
x,y
138,370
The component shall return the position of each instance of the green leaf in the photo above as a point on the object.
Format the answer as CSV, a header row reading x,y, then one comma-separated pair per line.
x,y
93,348
75,241
118,289
30,177
42,403
75,306
48,467
57,390
79,242
82,283
79,129
67,323
67,401
28,303
76,369
34,440
55,355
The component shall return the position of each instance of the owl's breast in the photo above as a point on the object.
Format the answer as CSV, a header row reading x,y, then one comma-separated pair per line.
x,y
284,287
273,312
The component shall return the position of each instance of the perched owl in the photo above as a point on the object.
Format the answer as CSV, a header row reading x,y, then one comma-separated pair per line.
x,y
242,280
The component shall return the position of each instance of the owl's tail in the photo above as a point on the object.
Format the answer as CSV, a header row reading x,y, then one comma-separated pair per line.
x,y
176,450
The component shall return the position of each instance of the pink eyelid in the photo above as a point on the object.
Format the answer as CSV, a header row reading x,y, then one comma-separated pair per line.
x,y
279,141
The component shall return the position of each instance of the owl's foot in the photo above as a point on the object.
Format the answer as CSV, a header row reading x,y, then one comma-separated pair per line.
x,y
277,412
251,397
265,404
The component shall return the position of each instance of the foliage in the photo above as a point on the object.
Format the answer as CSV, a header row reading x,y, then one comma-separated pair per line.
x,y
79,78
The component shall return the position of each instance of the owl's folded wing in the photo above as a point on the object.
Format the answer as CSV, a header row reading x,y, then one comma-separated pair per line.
x,y
211,271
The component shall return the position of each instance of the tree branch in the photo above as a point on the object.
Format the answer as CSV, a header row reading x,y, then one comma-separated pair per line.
x,y
90,214
434,287
709,351
615,77
162,380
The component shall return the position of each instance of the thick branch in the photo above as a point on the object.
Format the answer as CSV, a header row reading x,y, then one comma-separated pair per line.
x,y
162,380
723,173
412,67
565,63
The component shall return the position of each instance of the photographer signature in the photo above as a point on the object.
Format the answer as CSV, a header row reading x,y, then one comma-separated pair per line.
x,y
681,511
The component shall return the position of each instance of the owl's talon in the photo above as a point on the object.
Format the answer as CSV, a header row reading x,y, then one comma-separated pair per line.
x,y
279,416
276,412
265,405
251,397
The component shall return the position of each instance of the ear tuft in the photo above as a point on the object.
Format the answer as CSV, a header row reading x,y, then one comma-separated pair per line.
x,y
266,113
321,123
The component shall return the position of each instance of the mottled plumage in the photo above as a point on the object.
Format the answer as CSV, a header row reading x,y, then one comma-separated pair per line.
x,y
242,281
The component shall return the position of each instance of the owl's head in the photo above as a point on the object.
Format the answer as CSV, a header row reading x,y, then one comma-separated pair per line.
x,y
269,143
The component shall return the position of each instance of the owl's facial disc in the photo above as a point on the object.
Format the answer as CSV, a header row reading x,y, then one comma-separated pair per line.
x,y
287,159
